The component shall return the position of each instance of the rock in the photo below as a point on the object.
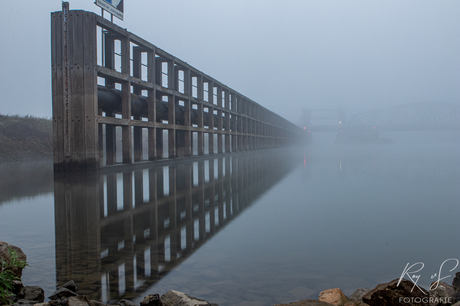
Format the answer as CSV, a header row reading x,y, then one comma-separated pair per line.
x,y
392,294
5,256
333,296
357,296
70,285
59,302
61,293
17,286
126,303
355,303
456,282
80,300
152,300
443,294
23,302
32,293
42,304
98,303
177,298
305,303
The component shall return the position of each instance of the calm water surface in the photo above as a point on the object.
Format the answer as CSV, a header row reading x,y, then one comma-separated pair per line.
x,y
268,227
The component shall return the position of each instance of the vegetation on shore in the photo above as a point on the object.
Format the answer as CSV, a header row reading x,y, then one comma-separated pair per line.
x,y
7,276
25,138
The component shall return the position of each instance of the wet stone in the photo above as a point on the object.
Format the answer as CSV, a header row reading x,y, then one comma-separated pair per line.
x,y
355,303
177,298
126,303
393,293
79,301
54,303
359,293
23,302
456,282
61,293
17,286
32,293
152,300
70,285
98,303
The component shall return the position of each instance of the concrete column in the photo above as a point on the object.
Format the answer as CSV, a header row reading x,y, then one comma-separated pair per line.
x,y
219,119
159,143
200,133
126,100
109,60
211,130
137,71
158,71
187,133
172,121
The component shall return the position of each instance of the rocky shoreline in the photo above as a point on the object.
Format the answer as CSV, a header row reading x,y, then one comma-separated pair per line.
x,y
396,292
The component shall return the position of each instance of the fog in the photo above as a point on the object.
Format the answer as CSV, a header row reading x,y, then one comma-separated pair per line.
x,y
285,55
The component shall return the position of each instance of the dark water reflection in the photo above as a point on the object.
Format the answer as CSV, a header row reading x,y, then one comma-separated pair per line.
x,y
19,180
117,234
262,228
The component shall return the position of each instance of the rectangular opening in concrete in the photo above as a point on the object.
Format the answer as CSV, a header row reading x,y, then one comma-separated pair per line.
x,y
164,75
181,81
206,143
206,90
194,87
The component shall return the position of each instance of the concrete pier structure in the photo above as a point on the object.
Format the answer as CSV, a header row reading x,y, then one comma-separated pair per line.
x,y
118,99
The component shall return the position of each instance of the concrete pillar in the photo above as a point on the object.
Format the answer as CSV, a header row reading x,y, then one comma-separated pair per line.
x,y
159,143
74,91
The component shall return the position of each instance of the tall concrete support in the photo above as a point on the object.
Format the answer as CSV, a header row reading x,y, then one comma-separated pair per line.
x,y
109,109
75,113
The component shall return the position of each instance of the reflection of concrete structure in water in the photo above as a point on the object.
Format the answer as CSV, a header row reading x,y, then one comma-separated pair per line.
x,y
119,233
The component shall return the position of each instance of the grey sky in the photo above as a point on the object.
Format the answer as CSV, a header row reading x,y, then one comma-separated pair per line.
x,y
285,55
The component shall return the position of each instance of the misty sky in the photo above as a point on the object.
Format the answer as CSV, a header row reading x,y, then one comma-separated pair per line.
x,y
285,55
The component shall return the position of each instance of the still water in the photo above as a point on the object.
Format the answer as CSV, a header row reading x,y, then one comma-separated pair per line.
x,y
267,227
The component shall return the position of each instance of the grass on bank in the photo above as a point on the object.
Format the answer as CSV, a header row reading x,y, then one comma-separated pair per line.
x,y
7,276
25,138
